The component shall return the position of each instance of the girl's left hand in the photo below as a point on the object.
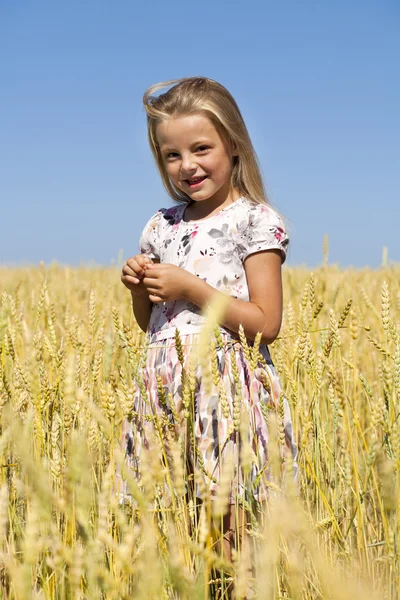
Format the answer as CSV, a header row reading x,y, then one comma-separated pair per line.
x,y
165,282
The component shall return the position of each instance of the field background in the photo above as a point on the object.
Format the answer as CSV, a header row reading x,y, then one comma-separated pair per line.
x,y
69,352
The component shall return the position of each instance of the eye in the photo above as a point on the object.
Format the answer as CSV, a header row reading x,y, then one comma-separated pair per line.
x,y
171,156
202,149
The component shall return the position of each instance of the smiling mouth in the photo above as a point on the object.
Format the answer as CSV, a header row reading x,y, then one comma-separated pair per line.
x,y
196,181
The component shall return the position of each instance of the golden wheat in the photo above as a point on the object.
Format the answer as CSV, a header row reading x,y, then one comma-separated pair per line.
x,y
71,357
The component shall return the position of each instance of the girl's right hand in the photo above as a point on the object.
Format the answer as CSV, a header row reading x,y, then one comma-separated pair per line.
x,y
133,272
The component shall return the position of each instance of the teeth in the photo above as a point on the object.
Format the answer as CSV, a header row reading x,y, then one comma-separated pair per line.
x,y
195,180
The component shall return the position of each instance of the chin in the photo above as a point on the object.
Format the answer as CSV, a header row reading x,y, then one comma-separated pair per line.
x,y
202,195
200,199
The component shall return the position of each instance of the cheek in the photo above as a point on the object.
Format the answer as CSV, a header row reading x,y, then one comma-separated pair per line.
x,y
172,170
222,166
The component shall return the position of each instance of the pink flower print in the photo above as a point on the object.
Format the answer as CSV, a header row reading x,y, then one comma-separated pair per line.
x,y
279,233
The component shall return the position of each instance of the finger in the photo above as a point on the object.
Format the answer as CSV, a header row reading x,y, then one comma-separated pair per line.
x,y
127,272
143,260
150,282
130,279
154,267
132,267
153,291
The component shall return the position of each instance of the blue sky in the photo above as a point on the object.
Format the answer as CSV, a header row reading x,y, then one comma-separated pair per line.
x,y
318,84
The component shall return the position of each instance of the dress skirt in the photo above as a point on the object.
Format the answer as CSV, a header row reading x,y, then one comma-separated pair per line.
x,y
224,407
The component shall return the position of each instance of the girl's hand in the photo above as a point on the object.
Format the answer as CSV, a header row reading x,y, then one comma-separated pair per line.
x,y
165,282
133,272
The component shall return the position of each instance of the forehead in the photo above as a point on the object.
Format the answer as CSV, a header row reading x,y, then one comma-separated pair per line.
x,y
185,130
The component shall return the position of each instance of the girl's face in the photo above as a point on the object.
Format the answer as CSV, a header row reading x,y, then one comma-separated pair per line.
x,y
198,160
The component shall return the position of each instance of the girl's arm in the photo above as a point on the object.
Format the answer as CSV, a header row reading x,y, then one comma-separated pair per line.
x,y
132,274
262,313
142,306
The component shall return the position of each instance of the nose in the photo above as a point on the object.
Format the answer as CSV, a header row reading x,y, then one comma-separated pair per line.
x,y
188,164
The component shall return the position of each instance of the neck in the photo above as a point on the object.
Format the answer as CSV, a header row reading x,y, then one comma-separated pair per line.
x,y
206,208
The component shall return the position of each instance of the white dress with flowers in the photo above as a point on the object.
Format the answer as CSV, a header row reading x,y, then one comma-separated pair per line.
x,y
215,250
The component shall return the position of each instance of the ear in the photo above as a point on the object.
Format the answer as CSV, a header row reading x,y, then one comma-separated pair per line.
x,y
235,151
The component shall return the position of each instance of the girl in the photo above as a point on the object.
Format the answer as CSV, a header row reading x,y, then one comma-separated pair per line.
x,y
221,237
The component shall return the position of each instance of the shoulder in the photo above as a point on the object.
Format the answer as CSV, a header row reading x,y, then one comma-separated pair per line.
x,y
246,209
154,219
254,215
173,214
262,228
165,216
263,216
258,211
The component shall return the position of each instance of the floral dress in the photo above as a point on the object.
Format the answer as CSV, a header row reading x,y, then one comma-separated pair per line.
x,y
215,250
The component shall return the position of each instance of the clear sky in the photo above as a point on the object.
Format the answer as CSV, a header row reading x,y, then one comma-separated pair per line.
x,y
318,84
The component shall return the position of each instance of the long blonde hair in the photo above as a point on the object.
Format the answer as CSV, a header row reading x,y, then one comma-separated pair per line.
x,y
192,95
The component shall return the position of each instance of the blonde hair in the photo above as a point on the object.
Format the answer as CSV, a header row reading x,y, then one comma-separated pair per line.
x,y
193,95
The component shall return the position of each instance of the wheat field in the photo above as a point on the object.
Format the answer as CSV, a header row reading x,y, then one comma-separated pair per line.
x,y
70,356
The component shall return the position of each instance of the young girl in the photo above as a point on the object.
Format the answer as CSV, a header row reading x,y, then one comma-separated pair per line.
x,y
221,237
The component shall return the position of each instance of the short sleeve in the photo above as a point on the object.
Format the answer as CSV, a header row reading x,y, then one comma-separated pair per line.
x,y
149,242
265,231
